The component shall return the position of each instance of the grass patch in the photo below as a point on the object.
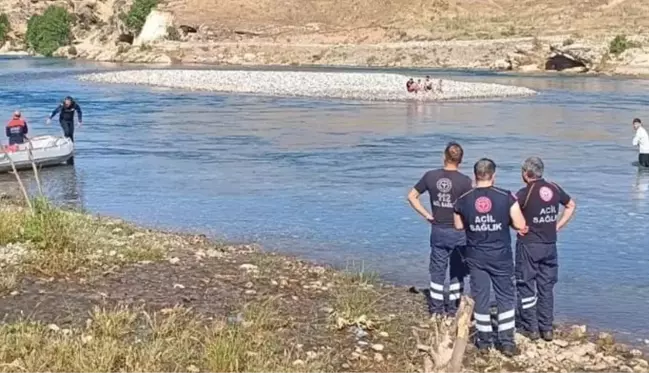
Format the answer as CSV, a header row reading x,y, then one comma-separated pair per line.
x,y
620,43
124,339
49,240
48,32
136,16
5,27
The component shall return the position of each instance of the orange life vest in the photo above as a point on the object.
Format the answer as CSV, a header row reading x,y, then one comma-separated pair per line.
x,y
16,123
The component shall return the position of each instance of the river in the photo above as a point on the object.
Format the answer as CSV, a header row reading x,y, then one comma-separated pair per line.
x,y
327,179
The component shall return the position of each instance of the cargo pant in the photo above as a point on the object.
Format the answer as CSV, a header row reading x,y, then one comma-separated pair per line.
x,y
447,245
493,268
537,272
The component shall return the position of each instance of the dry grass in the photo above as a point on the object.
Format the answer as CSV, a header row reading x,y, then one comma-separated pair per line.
x,y
438,19
171,340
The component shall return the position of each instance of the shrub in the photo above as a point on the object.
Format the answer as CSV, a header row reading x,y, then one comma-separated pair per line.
x,y
620,43
4,27
48,32
136,16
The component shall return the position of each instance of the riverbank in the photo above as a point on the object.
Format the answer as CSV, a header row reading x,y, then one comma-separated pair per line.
x,y
357,86
82,293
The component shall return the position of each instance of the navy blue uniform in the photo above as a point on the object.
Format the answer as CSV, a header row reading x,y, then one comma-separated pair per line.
x,y
536,254
486,218
446,243
66,118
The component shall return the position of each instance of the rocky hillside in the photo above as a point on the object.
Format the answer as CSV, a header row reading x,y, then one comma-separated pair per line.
x,y
523,35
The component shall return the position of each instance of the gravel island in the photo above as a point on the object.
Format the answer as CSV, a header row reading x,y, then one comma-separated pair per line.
x,y
355,86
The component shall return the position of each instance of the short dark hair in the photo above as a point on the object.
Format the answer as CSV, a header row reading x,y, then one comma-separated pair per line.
x,y
637,120
484,169
453,153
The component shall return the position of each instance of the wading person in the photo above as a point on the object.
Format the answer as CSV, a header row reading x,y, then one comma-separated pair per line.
x,y
444,186
485,213
66,111
536,249
641,140
16,129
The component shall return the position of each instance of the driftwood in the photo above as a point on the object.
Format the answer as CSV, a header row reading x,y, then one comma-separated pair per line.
x,y
442,353
18,179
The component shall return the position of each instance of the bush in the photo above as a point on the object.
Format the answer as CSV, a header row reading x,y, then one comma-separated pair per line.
x,y
620,43
48,32
136,16
4,27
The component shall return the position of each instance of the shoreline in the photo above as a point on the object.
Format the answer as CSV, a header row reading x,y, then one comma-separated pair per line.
x,y
247,308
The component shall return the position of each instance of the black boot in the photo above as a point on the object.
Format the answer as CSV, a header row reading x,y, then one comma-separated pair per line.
x,y
532,336
547,335
507,350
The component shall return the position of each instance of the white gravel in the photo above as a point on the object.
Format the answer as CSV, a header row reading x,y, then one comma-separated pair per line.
x,y
357,86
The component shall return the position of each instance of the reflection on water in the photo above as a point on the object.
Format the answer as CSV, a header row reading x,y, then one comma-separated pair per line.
x,y
60,183
327,179
641,184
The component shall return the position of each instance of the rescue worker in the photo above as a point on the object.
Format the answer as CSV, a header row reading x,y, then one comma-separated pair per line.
x,y
485,213
444,186
536,249
641,140
16,129
66,117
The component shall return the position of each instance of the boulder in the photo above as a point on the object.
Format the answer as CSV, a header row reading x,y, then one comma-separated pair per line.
x,y
155,27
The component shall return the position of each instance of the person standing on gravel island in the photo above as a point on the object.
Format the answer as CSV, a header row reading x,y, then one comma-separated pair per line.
x,y
641,140
536,249
485,213
66,111
444,186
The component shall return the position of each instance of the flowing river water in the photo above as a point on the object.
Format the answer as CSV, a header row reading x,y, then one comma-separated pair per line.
x,y
327,179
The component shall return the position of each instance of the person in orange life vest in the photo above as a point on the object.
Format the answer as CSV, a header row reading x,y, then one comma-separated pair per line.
x,y
16,129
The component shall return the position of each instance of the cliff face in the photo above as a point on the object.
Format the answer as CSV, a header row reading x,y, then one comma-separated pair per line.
x,y
527,35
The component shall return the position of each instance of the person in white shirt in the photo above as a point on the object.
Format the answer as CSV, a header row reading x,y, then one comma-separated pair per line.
x,y
641,140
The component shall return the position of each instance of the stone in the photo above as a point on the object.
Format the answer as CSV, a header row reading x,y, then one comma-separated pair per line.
x,y
640,369
377,347
635,352
383,334
249,267
179,286
250,292
214,253
605,338
578,331
310,355
355,356
249,285
625,369
174,260
53,327
298,363
155,27
192,369
362,343
249,57
346,366
378,358
641,362
561,343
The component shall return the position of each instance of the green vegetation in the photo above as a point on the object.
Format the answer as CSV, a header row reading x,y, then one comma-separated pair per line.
x,y
48,32
5,26
620,43
136,16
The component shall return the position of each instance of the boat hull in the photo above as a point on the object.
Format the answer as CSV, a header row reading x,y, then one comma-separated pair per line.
x,y
47,151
